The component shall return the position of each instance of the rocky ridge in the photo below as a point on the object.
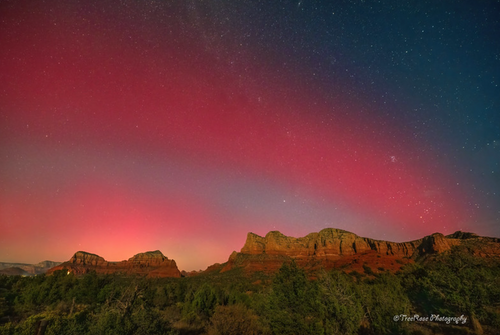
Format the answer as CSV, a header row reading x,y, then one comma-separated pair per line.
x,y
336,248
150,264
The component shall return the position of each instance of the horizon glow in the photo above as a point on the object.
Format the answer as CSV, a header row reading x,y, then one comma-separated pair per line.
x,y
131,128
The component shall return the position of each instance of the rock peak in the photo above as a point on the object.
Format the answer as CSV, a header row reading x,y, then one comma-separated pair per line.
x,y
86,258
148,255
84,254
275,233
462,235
335,231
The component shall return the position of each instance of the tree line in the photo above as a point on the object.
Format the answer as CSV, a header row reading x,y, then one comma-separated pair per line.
x,y
288,302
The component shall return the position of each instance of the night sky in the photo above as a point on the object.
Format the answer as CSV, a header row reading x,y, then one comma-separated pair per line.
x,y
128,126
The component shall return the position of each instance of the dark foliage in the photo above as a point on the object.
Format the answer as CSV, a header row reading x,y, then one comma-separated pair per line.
x,y
287,303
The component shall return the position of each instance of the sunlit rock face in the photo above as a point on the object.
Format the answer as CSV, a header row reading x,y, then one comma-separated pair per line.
x,y
150,264
327,243
336,248
82,258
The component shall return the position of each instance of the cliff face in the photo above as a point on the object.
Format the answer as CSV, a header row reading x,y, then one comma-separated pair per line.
x,y
83,259
327,243
342,249
150,264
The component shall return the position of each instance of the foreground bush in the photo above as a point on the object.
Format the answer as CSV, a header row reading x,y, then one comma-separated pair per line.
x,y
234,319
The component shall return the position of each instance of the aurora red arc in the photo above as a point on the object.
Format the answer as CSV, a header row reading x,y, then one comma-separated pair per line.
x,y
93,82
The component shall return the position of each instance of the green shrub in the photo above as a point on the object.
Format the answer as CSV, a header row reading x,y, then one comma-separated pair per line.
x,y
234,319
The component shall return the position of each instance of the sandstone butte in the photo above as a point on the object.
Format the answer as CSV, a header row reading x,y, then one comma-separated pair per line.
x,y
150,264
336,248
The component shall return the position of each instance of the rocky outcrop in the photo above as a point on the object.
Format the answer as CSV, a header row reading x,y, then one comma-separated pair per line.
x,y
338,248
149,264
436,244
83,259
153,264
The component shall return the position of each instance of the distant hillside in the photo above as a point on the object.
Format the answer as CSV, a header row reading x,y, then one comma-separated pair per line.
x,y
14,271
29,269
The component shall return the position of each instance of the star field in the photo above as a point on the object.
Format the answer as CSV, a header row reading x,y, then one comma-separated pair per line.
x,y
182,125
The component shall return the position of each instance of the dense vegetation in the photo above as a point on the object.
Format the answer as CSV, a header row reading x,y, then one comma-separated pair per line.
x,y
287,303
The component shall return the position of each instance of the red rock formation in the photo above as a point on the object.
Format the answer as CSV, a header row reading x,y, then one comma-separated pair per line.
x,y
83,259
336,248
150,264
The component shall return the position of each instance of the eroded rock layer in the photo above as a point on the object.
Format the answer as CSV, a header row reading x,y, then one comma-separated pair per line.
x,y
336,248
